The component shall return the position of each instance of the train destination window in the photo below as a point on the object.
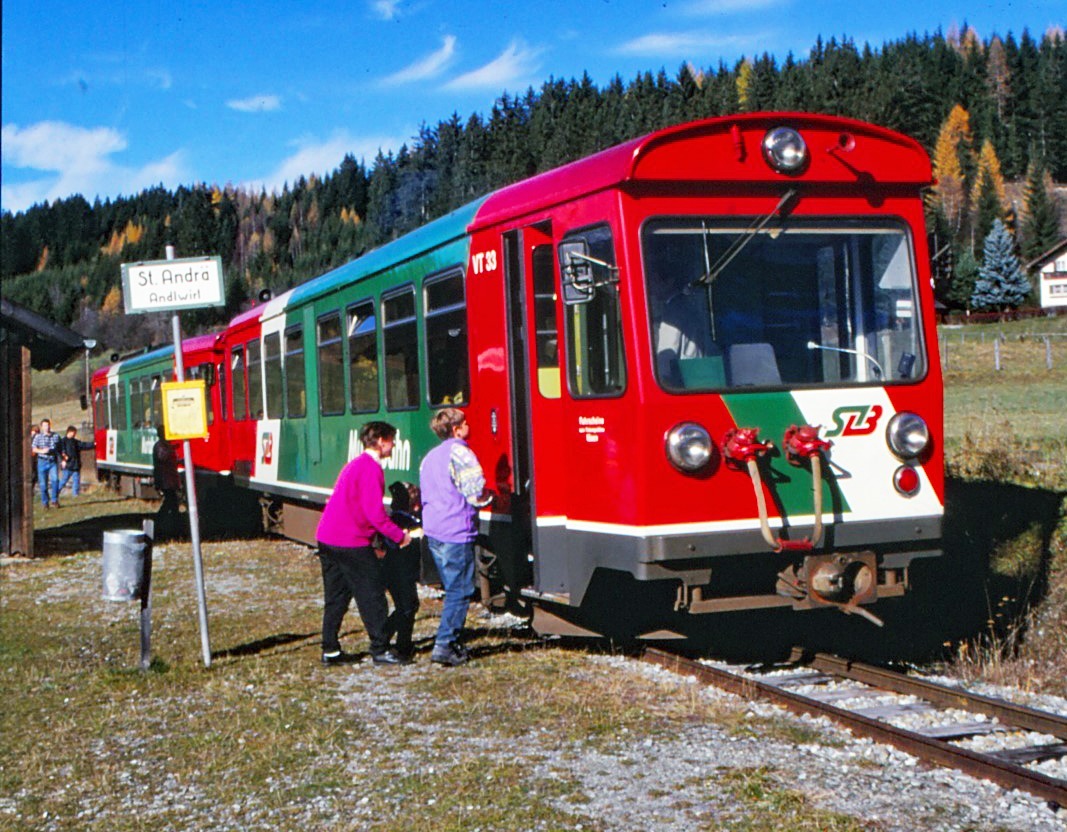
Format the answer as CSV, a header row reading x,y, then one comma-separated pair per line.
x,y
273,380
797,303
255,380
446,341
295,376
547,330
331,365
596,364
401,350
238,387
363,357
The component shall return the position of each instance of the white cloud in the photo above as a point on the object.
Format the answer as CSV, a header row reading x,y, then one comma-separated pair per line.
x,y
255,104
324,156
511,68
429,67
386,9
678,44
76,160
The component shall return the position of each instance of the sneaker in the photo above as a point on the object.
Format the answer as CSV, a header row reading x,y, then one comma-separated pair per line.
x,y
451,656
338,657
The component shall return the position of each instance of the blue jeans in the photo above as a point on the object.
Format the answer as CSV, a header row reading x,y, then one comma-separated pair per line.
x,y
68,476
48,479
455,565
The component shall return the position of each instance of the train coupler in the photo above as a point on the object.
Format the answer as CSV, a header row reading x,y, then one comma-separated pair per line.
x,y
837,580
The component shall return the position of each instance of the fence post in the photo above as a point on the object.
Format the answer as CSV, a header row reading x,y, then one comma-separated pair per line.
x,y
996,354
1048,352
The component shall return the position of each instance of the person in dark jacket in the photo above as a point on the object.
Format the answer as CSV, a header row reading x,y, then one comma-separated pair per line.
x,y
70,460
167,482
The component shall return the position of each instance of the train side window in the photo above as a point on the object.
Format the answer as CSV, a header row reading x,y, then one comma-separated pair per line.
x,y
596,363
363,357
136,410
220,368
447,374
546,327
255,379
295,375
238,386
99,410
118,405
202,372
156,405
401,350
273,382
331,365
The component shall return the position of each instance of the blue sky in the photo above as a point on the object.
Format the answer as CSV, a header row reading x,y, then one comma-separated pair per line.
x,y
110,97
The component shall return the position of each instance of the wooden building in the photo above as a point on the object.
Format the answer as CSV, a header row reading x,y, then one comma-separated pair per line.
x,y
27,341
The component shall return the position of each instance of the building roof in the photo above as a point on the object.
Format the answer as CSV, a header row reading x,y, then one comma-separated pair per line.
x,y
1048,256
51,346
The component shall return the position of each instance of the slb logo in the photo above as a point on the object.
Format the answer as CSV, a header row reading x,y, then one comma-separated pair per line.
x,y
855,420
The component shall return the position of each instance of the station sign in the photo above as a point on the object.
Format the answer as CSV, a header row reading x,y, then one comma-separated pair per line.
x,y
169,285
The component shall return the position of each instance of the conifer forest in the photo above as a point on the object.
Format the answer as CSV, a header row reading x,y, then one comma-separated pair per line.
x,y
992,114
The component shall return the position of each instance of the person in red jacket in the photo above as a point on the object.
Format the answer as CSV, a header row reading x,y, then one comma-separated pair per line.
x,y
351,568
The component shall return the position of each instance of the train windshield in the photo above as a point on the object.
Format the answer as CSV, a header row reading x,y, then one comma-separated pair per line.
x,y
796,303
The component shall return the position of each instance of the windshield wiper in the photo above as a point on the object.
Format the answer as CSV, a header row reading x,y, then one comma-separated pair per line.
x,y
877,367
784,206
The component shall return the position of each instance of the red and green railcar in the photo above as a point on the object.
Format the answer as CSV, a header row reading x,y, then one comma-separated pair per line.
x,y
701,365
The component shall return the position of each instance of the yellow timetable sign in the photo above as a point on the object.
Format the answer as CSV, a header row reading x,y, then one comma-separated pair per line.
x,y
185,409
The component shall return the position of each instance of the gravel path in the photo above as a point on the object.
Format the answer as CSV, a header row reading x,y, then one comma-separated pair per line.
x,y
668,783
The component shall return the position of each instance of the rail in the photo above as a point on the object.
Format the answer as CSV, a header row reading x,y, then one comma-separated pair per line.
x,y
996,768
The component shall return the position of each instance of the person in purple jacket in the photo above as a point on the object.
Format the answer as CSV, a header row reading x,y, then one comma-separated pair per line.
x,y
453,489
351,567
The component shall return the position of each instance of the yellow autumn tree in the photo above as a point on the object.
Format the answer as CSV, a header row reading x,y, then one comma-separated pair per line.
x,y
988,168
744,83
953,156
112,304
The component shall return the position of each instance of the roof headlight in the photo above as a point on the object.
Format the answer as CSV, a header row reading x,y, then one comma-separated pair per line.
x,y
907,434
689,447
785,150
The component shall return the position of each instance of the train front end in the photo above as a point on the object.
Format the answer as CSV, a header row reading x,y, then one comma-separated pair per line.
x,y
780,443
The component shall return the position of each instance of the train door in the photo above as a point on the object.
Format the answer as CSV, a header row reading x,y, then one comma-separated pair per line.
x,y
539,483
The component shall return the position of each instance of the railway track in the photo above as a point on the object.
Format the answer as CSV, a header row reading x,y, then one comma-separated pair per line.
x,y
821,685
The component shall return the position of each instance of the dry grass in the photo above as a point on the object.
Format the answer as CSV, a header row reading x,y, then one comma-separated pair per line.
x,y
1009,428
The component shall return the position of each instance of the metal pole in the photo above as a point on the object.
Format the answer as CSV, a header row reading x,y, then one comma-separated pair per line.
x,y
190,498
149,527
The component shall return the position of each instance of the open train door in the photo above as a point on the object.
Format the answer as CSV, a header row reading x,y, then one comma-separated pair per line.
x,y
536,381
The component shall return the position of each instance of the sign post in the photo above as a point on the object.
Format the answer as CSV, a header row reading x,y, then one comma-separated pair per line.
x,y
172,285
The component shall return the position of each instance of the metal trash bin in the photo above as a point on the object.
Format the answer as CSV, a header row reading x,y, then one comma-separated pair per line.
x,y
123,561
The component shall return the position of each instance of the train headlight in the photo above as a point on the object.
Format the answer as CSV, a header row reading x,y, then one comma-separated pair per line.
x,y
907,435
689,446
785,150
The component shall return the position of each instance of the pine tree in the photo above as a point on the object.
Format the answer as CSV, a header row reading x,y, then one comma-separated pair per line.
x,y
1041,226
964,277
1001,283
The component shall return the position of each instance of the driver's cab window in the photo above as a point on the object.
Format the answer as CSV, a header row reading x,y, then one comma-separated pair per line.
x,y
596,364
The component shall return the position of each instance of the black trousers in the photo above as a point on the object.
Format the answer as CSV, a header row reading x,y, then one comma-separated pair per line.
x,y
400,571
353,573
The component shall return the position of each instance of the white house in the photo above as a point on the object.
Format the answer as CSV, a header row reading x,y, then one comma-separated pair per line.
x,y
1051,271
